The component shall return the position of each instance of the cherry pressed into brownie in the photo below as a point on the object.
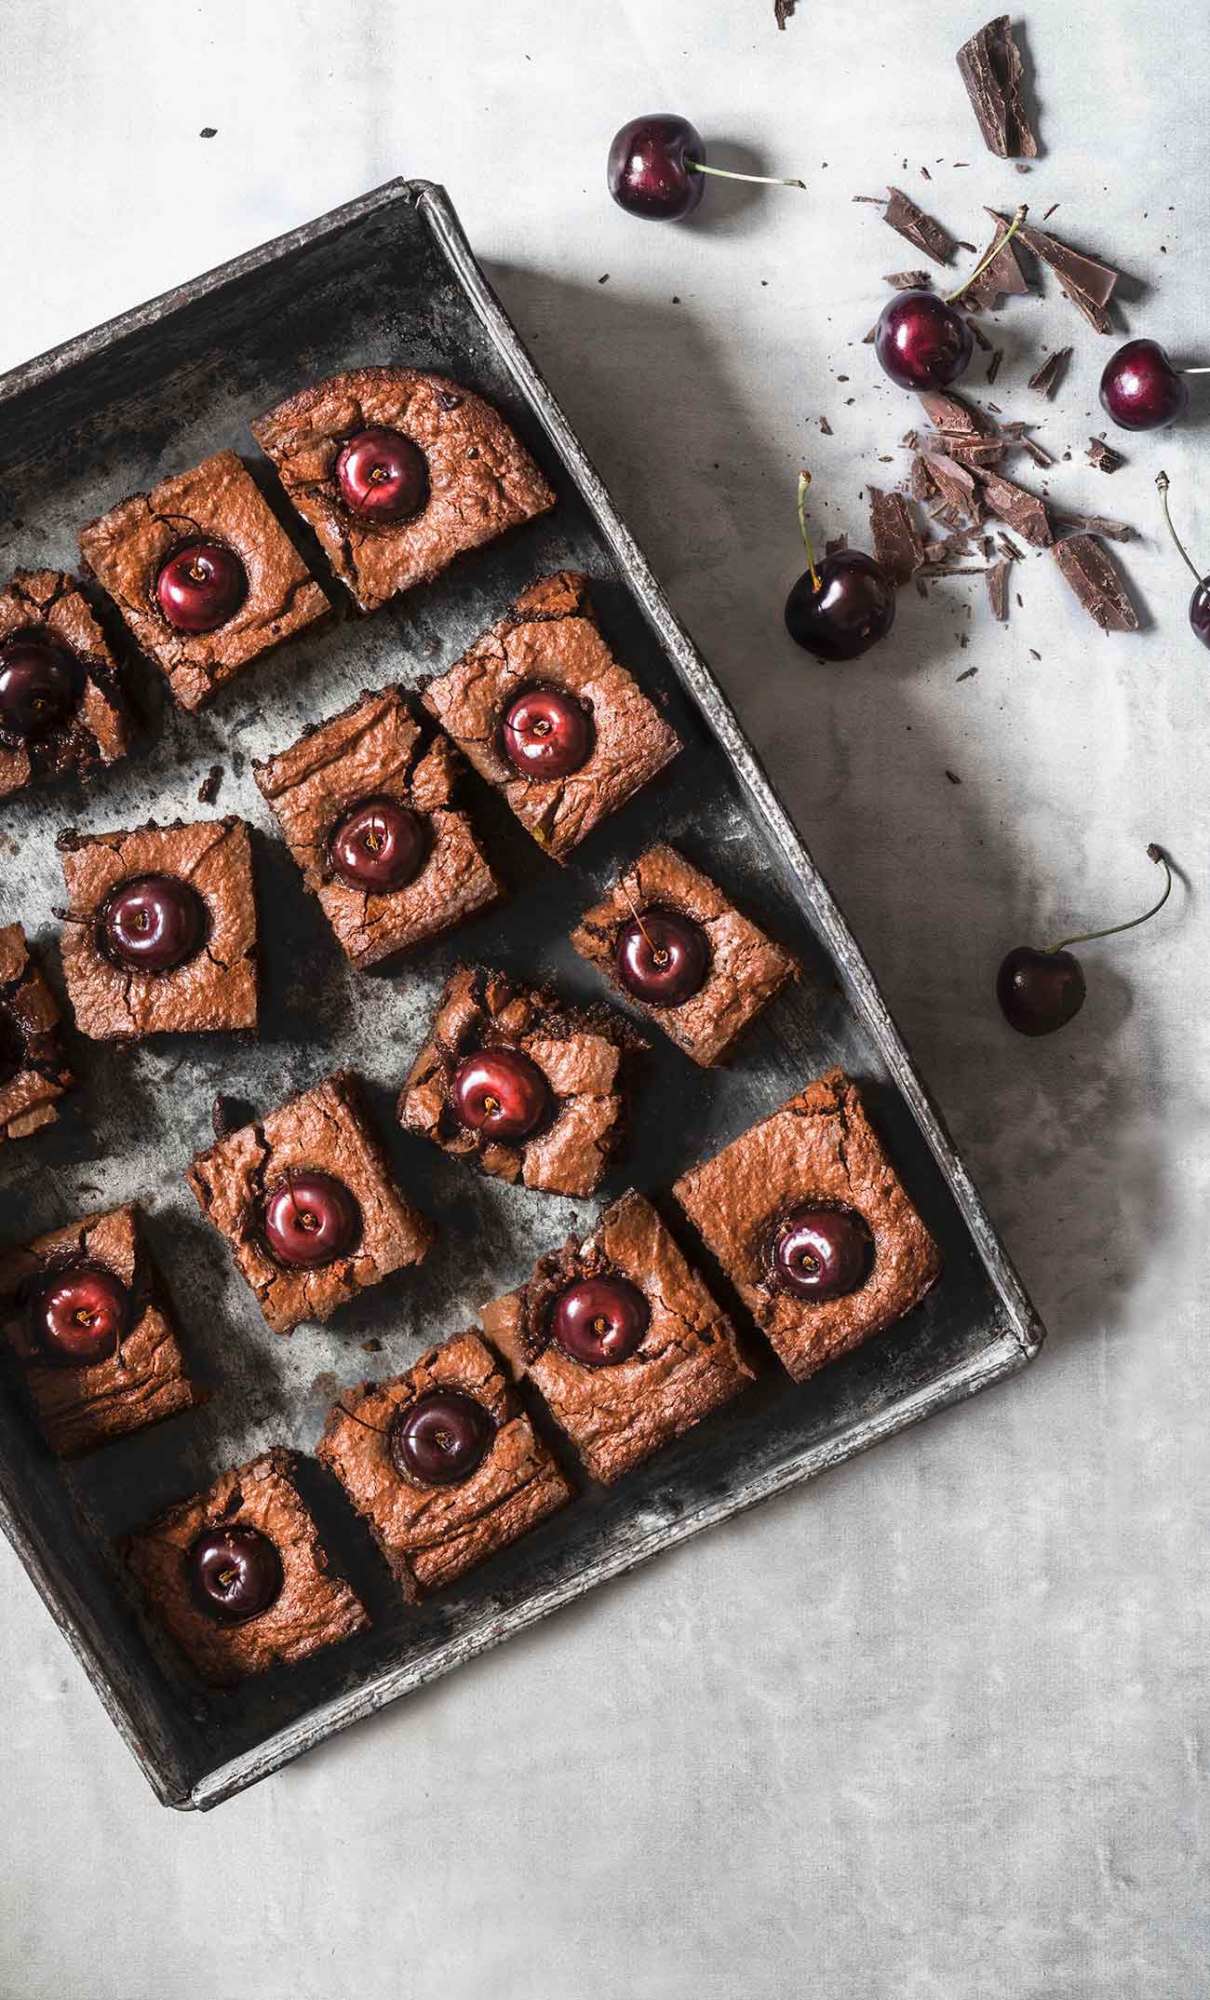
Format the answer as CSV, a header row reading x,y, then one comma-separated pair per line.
x,y
203,574
366,804
34,1071
621,1338
61,702
668,939
89,1332
810,1222
546,714
308,1205
398,472
159,932
442,1463
530,1089
238,1575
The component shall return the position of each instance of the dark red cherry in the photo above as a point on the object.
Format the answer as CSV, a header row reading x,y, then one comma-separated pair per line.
x,y
650,171
234,1573
383,477
40,685
922,341
1039,991
310,1218
379,845
1199,612
201,587
600,1321
546,733
153,923
1140,388
662,957
80,1315
501,1093
1199,603
441,1438
844,609
820,1253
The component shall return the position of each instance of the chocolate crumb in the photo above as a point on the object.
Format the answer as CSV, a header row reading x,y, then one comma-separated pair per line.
x,y
782,10
1021,510
207,791
908,281
604,278
1033,655
993,366
953,777
922,231
1050,211
1046,379
208,132
969,672
371,1346
826,427
1103,456
997,591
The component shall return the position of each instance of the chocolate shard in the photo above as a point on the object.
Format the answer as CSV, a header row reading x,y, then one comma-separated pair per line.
x,y
1003,278
997,591
1103,456
1037,452
1084,280
991,68
949,414
782,10
1046,379
1096,524
956,484
897,543
908,281
923,485
923,231
1021,510
1090,571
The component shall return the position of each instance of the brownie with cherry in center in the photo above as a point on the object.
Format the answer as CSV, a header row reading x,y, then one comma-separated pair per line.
x,y
62,706
34,1071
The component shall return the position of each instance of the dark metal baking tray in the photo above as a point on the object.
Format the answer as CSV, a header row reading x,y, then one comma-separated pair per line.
x,y
390,277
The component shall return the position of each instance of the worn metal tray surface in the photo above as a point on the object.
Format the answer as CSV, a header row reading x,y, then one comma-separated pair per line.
x,y
390,278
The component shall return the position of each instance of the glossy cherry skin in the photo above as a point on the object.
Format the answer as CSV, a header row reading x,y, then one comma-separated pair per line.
x,y
546,733
234,1573
1039,991
153,923
383,477
310,1218
662,957
201,587
600,1321
441,1438
80,1315
850,611
820,1253
921,342
500,1093
649,174
1199,611
40,685
379,845
1140,388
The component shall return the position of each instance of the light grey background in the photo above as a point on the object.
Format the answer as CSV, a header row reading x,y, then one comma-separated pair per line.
x,y
933,1729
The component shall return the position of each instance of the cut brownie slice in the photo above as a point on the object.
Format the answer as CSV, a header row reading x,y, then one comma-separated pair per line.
x,y
61,702
551,646
203,574
160,929
248,1541
86,1323
308,1205
730,968
809,1221
622,1339
442,1463
34,1071
398,472
531,1089
366,804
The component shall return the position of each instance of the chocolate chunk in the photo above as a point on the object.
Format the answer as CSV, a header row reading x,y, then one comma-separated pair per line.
x,y
1088,568
782,10
207,791
825,427
997,591
1084,280
1103,456
908,281
897,544
1003,278
924,486
921,230
1046,379
957,486
1023,511
991,68
1096,524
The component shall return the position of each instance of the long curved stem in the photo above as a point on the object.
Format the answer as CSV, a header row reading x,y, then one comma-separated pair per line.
x,y
725,174
992,254
804,480
1161,481
1154,853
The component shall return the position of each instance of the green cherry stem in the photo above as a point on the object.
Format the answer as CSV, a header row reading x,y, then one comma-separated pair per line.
x,y
804,480
1154,853
992,254
725,174
1161,481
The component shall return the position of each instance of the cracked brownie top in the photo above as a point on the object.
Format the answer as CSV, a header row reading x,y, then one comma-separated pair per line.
x,y
61,702
34,1071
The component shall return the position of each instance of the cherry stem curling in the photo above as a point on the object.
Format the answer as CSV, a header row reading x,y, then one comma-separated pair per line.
x,y
1161,481
804,480
992,254
1154,853
651,946
725,174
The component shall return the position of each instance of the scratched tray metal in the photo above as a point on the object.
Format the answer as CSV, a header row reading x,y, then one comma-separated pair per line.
x,y
390,277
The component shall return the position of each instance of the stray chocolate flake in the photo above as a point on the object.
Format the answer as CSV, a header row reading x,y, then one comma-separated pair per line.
x,y
980,337
1090,571
825,427
782,10
1084,280
1022,510
969,672
953,777
1037,452
997,591
207,791
1103,456
991,68
1046,379
908,281
897,543
923,231
1003,277
1096,524
993,366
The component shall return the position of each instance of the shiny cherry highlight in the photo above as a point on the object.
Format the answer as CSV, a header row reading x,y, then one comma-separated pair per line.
x,y
1140,388
80,1315
40,685
441,1439
310,1218
201,587
819,1252
600,1321
500,1093
546,733
379,845
153,923
662,957
234,1573
383,477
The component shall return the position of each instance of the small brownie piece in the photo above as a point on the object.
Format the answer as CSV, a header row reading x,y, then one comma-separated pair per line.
x,y
307,1204
806,1216
398,472
203,574
365,803
545,713
239,1577
84,1318
61,702
667,938
442,1463
531,1089
622,1339
33,1067
159,933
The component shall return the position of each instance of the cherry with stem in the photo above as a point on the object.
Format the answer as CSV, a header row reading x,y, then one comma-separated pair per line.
x,y
1199,603
842,606
1041,991
657,168
922,341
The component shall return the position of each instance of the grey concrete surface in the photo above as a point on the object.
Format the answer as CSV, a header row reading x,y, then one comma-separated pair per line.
x,y
935,1728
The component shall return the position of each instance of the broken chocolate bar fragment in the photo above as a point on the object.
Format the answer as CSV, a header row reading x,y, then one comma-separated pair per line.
x,y
1084,280
966,433
957,486
991,68
897,545
1002,278
997,591
923,231
1046,379
1087,567
1103,456
1023,511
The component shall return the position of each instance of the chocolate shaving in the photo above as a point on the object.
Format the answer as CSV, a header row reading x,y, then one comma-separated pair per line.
x,y
1096,524
1008,548
922,231
1103,456
991,68
970,671
1084,280
1046,379
908,281
997,591
993,366
1090,571
953,777
1023,511
1037,452
825,427
956,485
980,337
782,10
897,543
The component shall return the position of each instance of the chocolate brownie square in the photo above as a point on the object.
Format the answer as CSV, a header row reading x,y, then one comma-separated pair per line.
x,y
681,936
61,702
308,1205
34,1070
443,1464
159,933
551,644
241,589
808,1219
200,1589
398,472
366,804
89,1331
543,1087
622,1338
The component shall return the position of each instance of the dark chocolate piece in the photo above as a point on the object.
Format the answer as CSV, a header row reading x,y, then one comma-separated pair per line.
x,y
897,543
1096,524
1003,278
1103,456
908,281
1022,510
207,791
1084,280
997,591
1088,568
1046,379
991,68
922,231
